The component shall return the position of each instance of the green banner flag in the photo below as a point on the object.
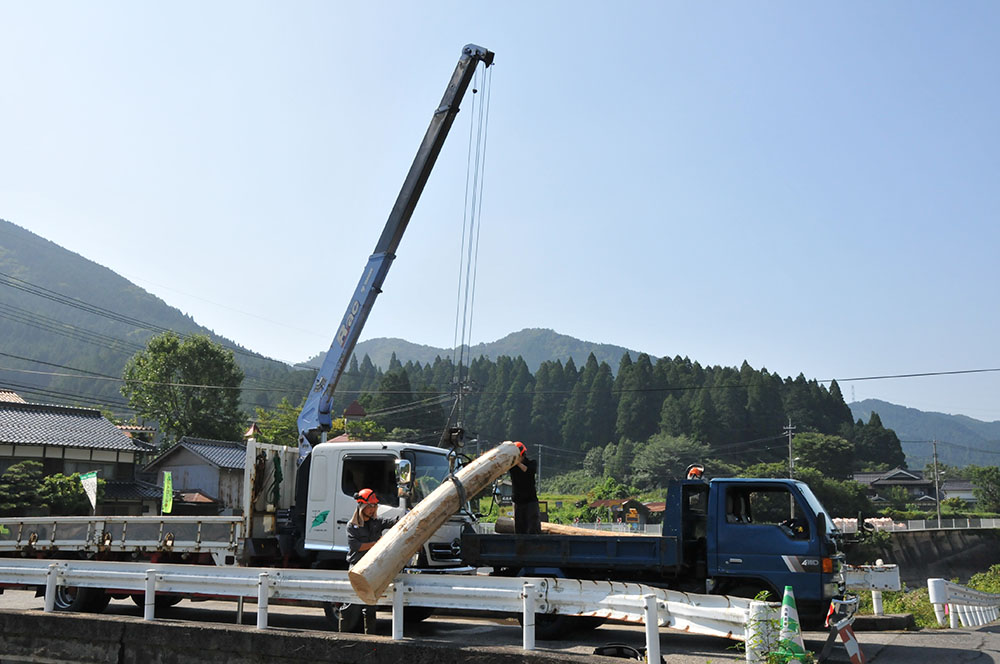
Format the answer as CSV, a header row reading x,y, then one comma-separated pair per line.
x,y
89,482
168,492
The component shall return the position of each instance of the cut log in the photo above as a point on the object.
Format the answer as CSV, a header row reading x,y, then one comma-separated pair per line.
x,y
377,568
505,525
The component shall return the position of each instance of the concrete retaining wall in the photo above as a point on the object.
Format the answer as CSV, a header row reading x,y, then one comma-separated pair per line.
x,y
946,554
47,638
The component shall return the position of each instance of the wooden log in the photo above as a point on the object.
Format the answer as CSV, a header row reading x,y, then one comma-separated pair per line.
x,y
505,525
376,569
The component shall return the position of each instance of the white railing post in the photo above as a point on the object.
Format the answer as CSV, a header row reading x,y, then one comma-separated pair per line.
x,y
877,602
652,629
952,616
50,588
149,608
528,621
397,612
263,591
759,633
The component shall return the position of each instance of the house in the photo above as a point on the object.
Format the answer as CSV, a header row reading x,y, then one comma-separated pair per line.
x,y
963,489
71,440
213,468
919,489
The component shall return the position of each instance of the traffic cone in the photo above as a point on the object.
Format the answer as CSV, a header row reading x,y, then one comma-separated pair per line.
x,y
790,634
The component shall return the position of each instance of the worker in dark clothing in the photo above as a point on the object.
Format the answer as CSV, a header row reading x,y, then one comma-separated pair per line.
x,y
364,529
527,519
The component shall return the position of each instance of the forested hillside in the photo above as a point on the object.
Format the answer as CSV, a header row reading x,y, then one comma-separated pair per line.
x,y
68,325
961,440
534,345
739,415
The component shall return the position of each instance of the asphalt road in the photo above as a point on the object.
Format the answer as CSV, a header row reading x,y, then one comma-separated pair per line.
x,y
965,646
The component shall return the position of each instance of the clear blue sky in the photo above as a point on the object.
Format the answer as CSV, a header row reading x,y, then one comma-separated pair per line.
x,y
811,188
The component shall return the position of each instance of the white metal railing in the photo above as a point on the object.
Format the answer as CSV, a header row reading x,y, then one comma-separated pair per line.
x,y
890,525
972,607
877,577
712,615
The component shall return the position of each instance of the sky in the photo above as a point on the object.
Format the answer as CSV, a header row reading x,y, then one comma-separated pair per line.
x,y
812,188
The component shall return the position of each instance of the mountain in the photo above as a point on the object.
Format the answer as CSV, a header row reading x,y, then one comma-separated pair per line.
x,y
62,315
961,440
535,345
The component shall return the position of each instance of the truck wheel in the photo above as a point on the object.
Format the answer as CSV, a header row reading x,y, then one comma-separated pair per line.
x,y
415,614
344,617
549,627
82,600
161,602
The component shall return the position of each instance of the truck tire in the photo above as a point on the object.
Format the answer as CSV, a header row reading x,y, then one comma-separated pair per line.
x,y
81,600
161,602
344,617
415,614
550,627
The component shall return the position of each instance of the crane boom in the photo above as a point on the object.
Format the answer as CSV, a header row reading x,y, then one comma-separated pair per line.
x,y
316,417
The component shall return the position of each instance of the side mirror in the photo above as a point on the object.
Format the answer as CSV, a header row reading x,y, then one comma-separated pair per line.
x,y
404,472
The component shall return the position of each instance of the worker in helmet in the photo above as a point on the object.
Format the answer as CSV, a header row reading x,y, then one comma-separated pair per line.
x,y
365,528
527,519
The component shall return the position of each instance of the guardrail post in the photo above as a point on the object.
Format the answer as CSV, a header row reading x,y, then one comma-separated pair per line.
x,y
759,633
50,588
397,612
953,610
149,610
652,629
263,590
528,621
877,602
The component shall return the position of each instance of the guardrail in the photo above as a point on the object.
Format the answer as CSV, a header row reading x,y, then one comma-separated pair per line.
x,y
890,525
877,577
972,607
712,615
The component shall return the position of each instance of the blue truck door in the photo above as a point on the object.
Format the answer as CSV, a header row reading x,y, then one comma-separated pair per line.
x,y
764,531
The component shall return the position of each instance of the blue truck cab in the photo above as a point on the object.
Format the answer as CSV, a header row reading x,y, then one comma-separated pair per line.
x,y
730,536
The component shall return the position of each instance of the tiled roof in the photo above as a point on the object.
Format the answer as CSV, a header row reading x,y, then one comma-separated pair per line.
x,y
227,454
131,490
63,426
7,395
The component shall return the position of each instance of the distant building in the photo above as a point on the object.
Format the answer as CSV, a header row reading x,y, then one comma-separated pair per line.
x,y
211,468
67,440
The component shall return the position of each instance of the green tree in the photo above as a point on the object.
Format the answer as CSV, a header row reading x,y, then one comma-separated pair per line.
x,y
19,488
833,454
191,387
64,495
279,425
986,487
664,458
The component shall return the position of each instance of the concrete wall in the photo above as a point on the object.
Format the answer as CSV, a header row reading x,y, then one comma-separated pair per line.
x,y
33,636
945,554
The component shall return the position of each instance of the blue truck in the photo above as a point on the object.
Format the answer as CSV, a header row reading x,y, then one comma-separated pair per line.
x,y
732,536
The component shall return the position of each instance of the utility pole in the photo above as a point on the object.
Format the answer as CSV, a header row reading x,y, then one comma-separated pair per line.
x,y
791,461
539,464
791,468
937,490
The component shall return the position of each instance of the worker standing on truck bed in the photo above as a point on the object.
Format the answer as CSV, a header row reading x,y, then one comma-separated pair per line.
x,y
527,519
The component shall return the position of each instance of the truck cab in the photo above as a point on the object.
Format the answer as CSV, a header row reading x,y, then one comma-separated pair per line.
x,y
765,534
336,471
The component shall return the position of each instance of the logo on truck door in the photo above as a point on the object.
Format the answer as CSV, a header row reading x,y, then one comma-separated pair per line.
x,y
800,564
320,518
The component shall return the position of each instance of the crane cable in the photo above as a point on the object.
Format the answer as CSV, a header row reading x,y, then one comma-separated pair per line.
x,y
472,213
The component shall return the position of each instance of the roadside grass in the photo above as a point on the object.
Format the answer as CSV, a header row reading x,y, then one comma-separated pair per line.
x,y
915,601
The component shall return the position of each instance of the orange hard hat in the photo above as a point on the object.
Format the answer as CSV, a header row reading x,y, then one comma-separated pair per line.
x,y
521,447
366,497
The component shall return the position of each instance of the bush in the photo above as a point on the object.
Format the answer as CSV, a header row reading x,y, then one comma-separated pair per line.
x,y
914,601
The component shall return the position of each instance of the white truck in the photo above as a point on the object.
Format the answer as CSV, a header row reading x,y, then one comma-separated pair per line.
x,y
297,501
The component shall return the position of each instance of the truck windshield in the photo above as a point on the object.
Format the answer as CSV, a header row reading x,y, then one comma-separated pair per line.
x,y
817,506
429,470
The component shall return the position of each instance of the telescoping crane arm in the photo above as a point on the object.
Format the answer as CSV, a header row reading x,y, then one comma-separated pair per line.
x,y
316,417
